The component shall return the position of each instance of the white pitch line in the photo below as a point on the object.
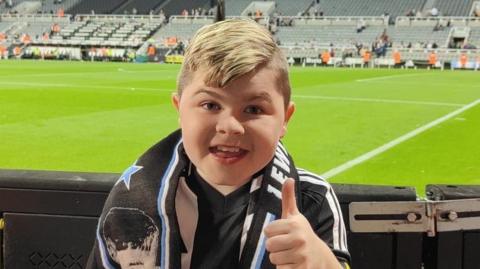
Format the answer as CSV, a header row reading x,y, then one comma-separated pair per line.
x,y
394,101
339,169
388,77
36,84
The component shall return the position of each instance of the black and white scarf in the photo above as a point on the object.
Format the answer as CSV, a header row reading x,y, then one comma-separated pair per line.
x,y
150,185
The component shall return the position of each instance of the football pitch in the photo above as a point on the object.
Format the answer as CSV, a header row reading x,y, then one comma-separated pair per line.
x,y
362,126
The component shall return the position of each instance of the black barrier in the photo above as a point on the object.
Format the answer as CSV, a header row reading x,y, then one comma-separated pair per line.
x,y
49,221
453,249
380,250
50,217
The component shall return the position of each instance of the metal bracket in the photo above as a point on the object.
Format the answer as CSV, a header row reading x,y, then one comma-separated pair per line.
x,y
415,216
458,215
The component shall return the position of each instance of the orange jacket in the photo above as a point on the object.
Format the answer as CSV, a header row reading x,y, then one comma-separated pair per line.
x,y
151,51
366,56
325,57
463,59
397,58
17,50
432,58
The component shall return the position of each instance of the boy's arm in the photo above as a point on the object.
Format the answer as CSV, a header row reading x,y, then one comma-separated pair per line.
x,y
292,243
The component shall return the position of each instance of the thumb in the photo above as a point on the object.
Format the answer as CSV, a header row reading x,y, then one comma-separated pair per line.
x,y
289,204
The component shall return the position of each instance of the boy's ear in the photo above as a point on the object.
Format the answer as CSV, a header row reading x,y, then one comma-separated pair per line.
x,y
176,101
288,114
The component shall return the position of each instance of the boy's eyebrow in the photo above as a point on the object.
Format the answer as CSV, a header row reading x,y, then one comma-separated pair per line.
x,y
262,96
204,91
265,96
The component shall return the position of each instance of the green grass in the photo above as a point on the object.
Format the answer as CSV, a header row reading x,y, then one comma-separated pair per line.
x,y
100,117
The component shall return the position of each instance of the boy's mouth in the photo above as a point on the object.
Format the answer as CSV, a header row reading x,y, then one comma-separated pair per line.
x,y
227,154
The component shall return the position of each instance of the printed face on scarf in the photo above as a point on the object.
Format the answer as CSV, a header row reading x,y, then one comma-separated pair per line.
x,y
231,133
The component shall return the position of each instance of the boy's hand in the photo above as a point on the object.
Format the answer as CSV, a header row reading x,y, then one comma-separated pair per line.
x,y
291,241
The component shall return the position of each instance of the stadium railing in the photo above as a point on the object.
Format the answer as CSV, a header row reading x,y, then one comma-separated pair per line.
x,y
432,21
336,20
48,220
33,18
120,17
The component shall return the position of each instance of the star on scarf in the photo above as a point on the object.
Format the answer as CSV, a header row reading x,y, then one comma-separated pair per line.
x,y
127,175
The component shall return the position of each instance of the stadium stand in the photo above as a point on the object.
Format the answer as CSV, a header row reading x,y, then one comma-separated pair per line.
x,y
418,36
283,7
139,6
454,8
303,38
181,28
51,6
369,7
27,7
292,8
329,30
98,7
235,7
475,37
5,26
176,7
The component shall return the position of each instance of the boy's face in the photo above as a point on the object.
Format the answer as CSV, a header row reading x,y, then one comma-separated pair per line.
x,y
231,133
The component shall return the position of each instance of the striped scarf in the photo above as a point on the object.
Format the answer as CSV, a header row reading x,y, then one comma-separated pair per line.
x,y
148,189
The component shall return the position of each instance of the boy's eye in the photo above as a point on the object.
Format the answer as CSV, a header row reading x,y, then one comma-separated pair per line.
x,y
253,110
210,106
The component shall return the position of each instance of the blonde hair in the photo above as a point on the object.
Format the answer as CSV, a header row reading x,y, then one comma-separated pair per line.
x,y
232,48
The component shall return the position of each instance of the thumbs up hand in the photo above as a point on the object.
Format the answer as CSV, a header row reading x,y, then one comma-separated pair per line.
x,y
291,241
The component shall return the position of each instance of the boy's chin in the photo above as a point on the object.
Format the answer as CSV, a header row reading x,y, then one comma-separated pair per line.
x,y
228,178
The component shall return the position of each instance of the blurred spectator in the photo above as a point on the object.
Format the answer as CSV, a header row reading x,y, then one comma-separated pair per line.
x,y
463,60
366,57
180,48
438,27
361,25
432,59
468,46
151,52
397,58
55,29
325,56
331,50
3,52
60,12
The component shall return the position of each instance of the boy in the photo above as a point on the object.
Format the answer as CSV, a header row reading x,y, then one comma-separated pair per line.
x,y
214,188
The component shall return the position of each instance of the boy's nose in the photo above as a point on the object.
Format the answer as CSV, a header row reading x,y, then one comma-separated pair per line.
x,y
230,125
